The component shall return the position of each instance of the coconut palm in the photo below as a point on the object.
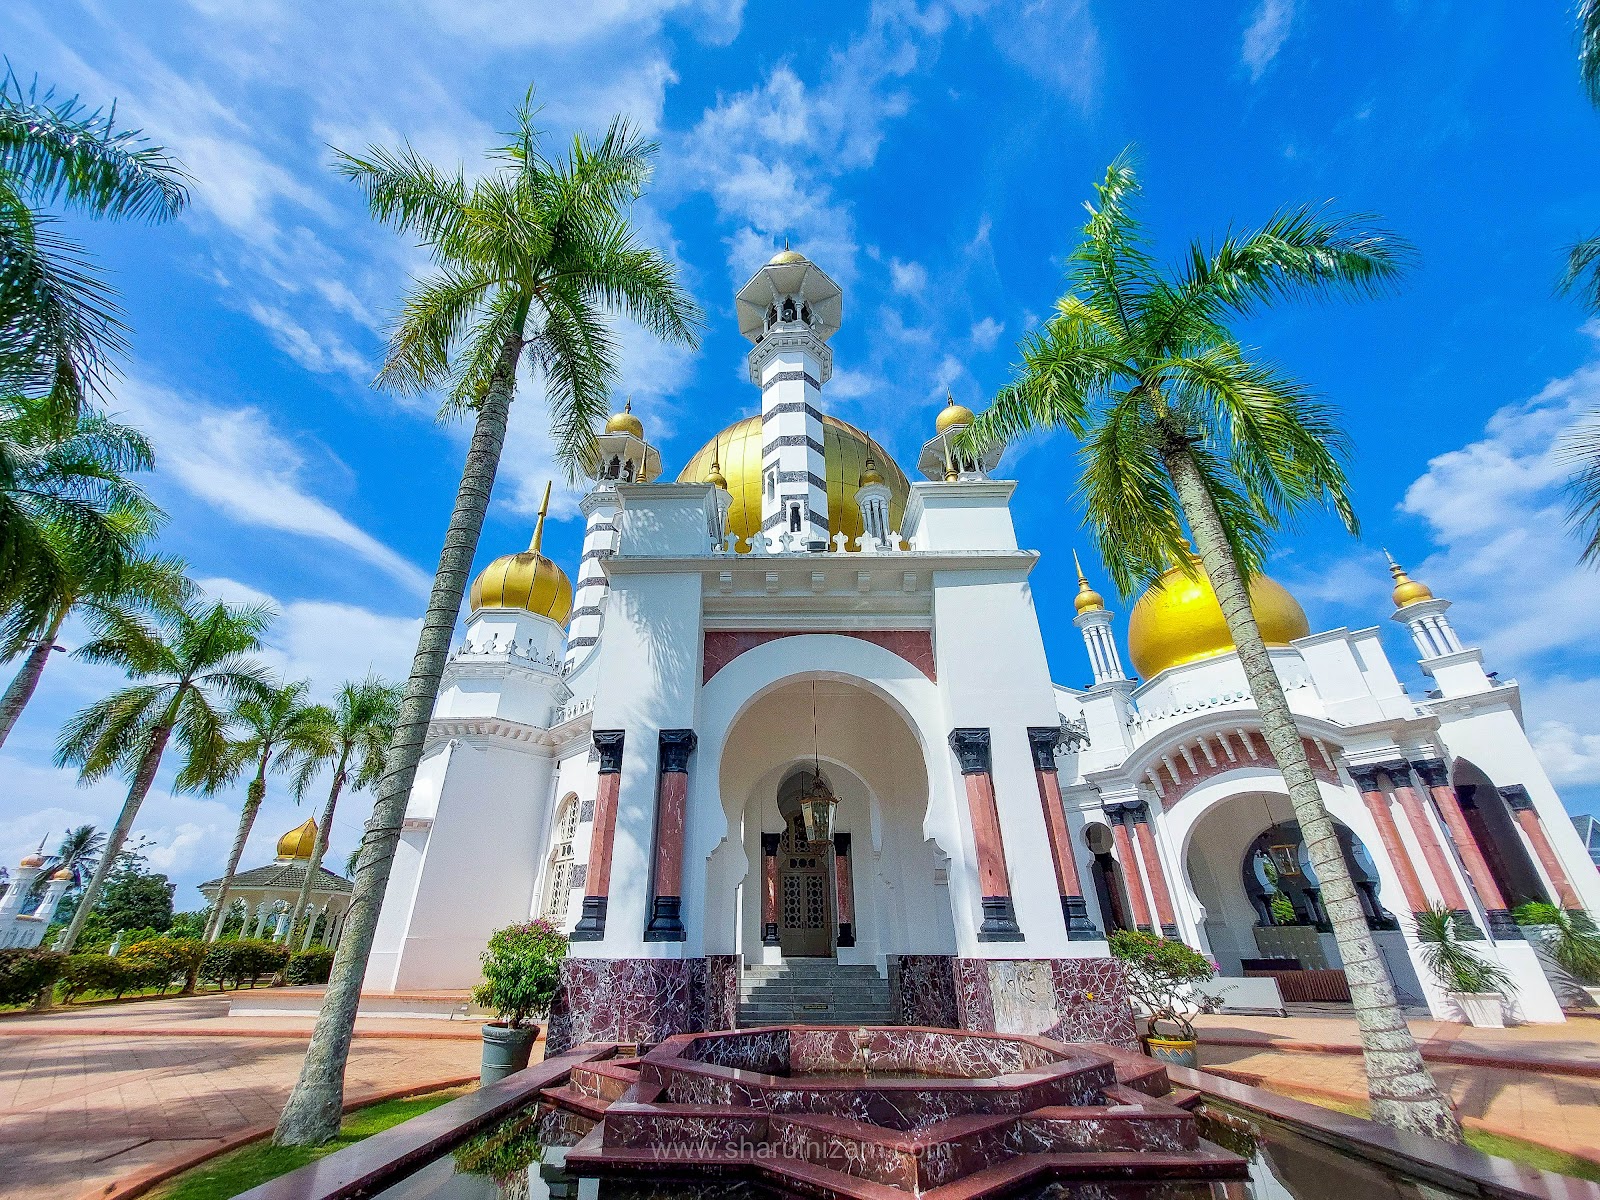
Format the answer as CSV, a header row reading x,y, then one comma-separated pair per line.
x,y
530,259
276,730
1187,435
1581,446
353,737
79,851
187,665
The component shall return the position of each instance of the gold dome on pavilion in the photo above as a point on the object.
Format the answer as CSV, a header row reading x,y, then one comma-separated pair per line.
x,y
299,843
528,580
1179,621
626,422
952,414
845,450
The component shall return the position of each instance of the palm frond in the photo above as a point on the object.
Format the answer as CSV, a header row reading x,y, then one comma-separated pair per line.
x,y
1582,275
1589,48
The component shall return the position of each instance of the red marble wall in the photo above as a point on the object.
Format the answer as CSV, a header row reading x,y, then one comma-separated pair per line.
x,y
722,646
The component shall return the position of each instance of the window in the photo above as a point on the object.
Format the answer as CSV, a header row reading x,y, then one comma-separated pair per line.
x,y
558,873
794,518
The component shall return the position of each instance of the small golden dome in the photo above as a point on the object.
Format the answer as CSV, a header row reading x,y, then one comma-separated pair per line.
x,y
1179,621
33,860
1407,590
1088,599
528,581
870,475
62,876
300,842
785,255
715,477
626,422
952,414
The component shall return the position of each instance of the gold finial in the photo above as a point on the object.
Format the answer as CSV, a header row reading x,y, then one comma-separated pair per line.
x,y
1088,599
538,529
715,477
870,474
1406,590
952,415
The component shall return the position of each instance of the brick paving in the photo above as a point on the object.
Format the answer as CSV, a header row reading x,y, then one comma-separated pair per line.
x,y
92,1095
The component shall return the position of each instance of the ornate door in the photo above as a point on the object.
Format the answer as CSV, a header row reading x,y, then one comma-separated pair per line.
x,y
805,901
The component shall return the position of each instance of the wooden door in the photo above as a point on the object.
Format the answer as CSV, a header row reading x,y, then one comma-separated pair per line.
x,y
805,900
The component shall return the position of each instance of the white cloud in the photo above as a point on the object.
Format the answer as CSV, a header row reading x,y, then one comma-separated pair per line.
x,y
908,278
1055,41
1266,34
320,354
986,333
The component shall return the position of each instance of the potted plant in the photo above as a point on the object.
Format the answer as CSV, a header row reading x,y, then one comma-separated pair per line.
x,y
521,968
1477,986
1163,977
1569,939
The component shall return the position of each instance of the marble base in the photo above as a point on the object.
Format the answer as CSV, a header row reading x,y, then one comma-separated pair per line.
x,y
1070,999
642,1000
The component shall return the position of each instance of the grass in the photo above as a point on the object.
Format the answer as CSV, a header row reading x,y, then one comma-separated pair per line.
x,y
245,1168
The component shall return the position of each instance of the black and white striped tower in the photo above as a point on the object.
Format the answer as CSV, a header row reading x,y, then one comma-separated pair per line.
x,y
789,310
622,456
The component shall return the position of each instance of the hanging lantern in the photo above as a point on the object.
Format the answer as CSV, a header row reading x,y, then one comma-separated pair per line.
x,y
816,811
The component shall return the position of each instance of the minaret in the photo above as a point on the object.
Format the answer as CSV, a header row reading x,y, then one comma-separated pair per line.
x,y
1094,622
1457,669
622,456
789,310
872,498
940,459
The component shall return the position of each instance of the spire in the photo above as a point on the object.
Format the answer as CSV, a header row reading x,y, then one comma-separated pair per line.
x,y
538,529
1406,590
1088,599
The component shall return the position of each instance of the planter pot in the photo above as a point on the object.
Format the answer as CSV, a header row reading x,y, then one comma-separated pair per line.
x,y
1483,1010
1175,1052
505,1051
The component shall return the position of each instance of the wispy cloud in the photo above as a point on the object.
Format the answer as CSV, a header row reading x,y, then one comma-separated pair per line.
x,y
1266,34
986,333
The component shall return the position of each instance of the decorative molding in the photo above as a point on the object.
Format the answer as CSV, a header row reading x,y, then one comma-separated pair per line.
x,y
971,747
608,743
722,646
1517,798
791,377
1366,779
1042,742
1399,773
791,406
1435,772
676,746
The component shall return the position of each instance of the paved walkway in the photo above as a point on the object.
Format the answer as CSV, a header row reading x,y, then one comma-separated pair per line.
x,y
92,1095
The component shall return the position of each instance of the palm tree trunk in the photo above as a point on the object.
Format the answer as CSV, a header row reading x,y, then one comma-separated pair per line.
x,y
21,688
1403,1093
324,833
253,797
142,779
312,1114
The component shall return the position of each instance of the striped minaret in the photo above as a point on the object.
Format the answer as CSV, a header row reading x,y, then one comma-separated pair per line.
x,y
789,310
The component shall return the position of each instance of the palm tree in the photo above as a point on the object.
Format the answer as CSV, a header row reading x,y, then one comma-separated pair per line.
x,y
79,851
59,326
1581,445
354,737
530,258
186,667
1185,434
277,731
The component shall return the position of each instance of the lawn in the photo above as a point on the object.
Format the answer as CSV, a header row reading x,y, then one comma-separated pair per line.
x,y
242,1169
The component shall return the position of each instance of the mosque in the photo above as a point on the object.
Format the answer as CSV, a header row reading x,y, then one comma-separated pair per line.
x,y
795,720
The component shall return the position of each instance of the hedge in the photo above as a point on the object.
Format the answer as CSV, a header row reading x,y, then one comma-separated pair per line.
x,y
165,959
310,966
94,973
246,958
26,973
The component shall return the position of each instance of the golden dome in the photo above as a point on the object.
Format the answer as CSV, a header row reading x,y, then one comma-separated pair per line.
x,y
300,842
1407,590
62,876
1179,621
1088,599
870,475
845,450
952,414
626,422
528,581
715,477
33,860
785,255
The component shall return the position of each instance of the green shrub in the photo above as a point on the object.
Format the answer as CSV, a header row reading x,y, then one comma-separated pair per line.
x,y
84,973
1452,960
1161,975
234,962
164,959
1573,941
310,966
521,968
26,973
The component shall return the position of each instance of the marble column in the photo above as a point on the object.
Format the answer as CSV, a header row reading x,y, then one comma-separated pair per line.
x,y
844,897
971,747
769,887
1042,742
1521,806
1132,876
591,926
1436,775
1433,854
263,911
672,797
1153,868
1394,848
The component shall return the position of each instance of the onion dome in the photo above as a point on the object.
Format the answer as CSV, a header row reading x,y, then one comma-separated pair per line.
x,y
299,843
785,255
626,422
62,876
952,415
715,477
1179,621
36,859
1088,599
1406,590
528,580
870,475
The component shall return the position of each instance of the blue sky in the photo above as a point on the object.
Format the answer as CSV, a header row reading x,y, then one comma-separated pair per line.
x,y
933,158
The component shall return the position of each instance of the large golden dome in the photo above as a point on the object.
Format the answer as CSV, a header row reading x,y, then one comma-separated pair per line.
x,y
845,449
528,581
1179,621
299,842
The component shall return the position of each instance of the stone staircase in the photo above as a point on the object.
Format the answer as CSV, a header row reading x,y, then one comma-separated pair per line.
x,y
813,991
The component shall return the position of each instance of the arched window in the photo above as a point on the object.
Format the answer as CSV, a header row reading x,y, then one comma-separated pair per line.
x,y
558,873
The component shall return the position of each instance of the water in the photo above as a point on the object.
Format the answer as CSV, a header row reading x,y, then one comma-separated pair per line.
x,y
523,1159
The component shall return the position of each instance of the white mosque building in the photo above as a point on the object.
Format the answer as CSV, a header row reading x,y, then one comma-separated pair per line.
x,y
795,722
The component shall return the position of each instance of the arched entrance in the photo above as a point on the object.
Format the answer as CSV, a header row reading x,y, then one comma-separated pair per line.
x,y
1111,890
1497,835
806,882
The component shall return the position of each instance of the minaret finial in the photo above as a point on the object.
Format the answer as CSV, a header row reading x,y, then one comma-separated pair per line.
x,y
1083,579
538,529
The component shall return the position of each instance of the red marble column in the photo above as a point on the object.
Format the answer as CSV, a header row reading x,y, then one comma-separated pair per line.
x,y
1389,834
1432,852
1132,876
844,898
1521,805
591,927
1158,875
1042,742
672,800
1436,775
769,887
971,747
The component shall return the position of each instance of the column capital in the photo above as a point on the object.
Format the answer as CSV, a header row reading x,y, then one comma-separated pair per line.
x,y
1517,798
971,748
608,745
769,844
841,844
1042,742
1366,778
676,746
1435,772
1399,773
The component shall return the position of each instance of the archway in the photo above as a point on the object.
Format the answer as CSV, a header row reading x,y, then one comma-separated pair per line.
x,y
1498,836
807,888
1111,889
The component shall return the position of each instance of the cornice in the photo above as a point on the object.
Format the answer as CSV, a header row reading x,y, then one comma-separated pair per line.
x,y
516,735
